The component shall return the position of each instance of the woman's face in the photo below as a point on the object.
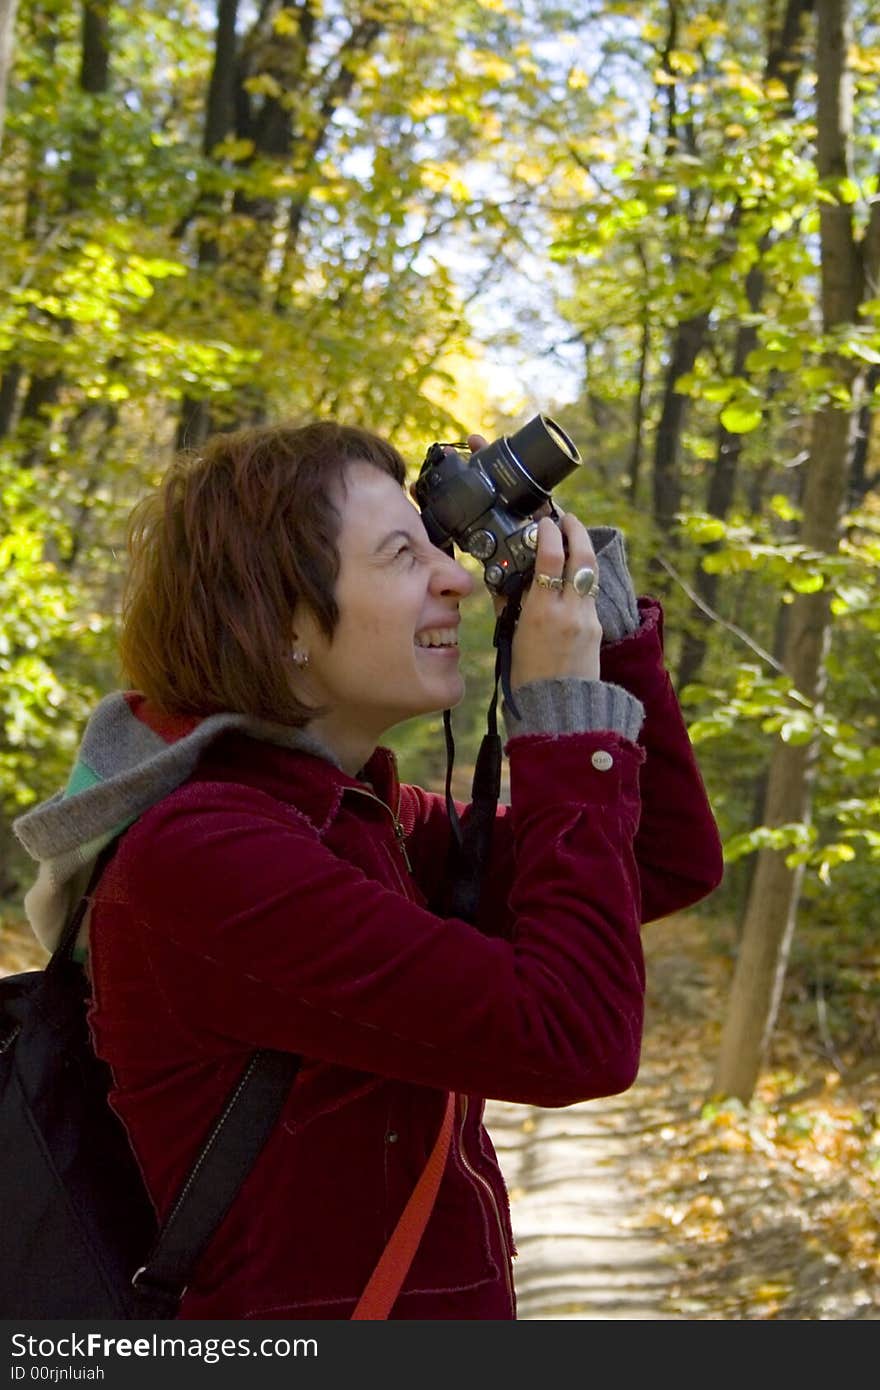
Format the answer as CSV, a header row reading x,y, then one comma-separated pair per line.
x,y
394,588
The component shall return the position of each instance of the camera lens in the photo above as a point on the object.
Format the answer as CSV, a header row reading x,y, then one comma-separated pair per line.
x,y
560,438
544,451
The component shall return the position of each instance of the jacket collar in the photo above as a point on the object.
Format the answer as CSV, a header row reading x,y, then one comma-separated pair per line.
x,y
300,773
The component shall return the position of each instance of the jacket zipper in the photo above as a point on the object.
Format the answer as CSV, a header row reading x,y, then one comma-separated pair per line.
x,y
478,1178
398,828
483,1183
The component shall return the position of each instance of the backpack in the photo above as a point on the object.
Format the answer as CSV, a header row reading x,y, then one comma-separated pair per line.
x,y
80,1234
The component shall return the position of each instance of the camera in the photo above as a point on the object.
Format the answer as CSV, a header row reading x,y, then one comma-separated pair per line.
x,y
484,502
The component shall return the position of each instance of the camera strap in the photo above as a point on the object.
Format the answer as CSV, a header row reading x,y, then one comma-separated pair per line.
x,y
470,844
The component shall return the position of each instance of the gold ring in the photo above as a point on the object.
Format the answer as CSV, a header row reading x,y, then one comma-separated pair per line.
x,y
549,581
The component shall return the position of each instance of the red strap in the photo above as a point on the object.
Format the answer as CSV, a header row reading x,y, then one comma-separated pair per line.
x,y
378,1297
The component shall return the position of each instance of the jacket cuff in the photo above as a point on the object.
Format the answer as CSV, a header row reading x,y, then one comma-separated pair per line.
x,y
616,604
569,705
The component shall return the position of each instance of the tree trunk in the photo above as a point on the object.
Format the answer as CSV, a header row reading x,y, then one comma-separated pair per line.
x,y
9,397
862,481
688,339
194,421
7,36
785,59
15,378
94,80
721,492
773,900
230,109
639,409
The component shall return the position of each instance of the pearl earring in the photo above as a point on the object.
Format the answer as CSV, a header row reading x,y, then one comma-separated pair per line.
x,y
300,659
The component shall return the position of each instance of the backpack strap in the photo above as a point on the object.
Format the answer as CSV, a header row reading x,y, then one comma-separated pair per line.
x,y
378,1297
233,1145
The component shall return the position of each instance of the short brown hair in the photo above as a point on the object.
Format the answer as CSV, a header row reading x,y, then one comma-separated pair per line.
x,y
221,553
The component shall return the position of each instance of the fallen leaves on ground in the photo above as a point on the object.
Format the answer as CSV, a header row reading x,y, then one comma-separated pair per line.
x,y
773,1208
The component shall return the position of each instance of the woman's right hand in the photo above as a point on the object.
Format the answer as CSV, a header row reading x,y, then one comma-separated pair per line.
x,y
558,632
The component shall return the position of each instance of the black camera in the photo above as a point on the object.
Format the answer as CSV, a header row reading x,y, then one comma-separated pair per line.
x,y
484,502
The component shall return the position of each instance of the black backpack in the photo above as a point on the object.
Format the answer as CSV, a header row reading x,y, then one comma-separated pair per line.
x,y
80,1236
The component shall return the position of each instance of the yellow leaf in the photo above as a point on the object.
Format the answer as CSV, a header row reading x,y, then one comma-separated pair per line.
x,y
776,90
445,178
495,68
739,82
427,104
770,1292
264,84
683,62
286,22
233,149
864,59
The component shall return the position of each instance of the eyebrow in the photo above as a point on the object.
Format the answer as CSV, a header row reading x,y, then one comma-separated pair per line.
x,y
392,535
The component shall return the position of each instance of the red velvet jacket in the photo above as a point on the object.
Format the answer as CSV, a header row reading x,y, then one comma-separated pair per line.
x,y
274,901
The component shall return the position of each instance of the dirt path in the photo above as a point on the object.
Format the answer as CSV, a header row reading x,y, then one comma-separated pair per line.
x,y
641,1207
573,1177
579,1177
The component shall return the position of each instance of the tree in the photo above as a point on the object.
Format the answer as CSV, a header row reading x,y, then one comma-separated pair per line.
x,y
723,219
784,65
848,265
7,36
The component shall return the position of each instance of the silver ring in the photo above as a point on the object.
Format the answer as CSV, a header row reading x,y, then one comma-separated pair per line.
x,y
548,581
585,582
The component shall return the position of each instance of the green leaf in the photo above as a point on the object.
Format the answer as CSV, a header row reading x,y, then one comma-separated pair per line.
x,y
136,283
795,732
781,506
804,583
740,419
708,529
718,390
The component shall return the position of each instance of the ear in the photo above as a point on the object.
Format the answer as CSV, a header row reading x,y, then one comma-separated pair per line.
x,y
303,627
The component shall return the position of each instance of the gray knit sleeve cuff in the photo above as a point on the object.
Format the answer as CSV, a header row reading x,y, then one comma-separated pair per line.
x,y
616,604
573,706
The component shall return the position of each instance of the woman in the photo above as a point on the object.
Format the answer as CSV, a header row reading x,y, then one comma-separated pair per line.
x,y
277,887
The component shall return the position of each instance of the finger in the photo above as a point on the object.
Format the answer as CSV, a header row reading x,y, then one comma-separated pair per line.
x,y
550,551
579,555
476,442
545,509
578,545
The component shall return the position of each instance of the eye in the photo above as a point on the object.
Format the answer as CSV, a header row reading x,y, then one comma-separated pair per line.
x,y
403,549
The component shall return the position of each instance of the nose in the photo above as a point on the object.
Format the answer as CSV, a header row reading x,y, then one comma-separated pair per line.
x,y
450,577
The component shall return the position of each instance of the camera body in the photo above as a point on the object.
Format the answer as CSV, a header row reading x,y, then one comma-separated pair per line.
x,y
485,502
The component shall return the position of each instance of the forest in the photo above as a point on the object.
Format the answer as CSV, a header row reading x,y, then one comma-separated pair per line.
x,y
657,223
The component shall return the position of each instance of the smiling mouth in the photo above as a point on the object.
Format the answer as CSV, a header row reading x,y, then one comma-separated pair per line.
x,y
437,639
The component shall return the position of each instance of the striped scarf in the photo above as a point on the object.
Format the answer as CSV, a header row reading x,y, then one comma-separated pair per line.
x,y
130,757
